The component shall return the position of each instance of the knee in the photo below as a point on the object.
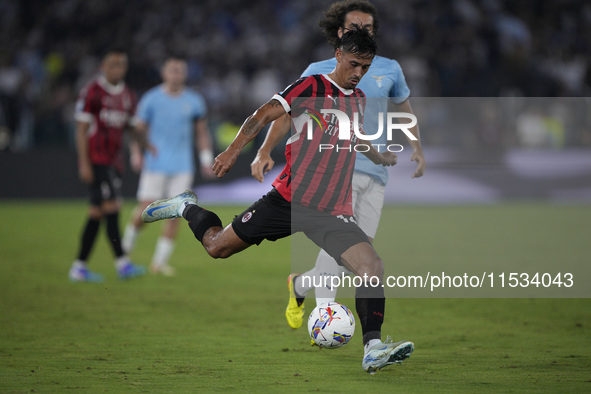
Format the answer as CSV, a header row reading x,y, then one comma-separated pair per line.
x,y
374,267
377,268
219,252
110,206
95,213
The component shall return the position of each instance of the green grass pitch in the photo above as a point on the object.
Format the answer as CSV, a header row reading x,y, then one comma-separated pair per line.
x,y
219,325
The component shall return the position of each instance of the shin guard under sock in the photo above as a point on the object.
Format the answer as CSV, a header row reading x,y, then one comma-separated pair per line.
x,y
370,304
200,220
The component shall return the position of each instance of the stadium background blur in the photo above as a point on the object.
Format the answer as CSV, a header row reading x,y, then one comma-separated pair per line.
x,y
241,53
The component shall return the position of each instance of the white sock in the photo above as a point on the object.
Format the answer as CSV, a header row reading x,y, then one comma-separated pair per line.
x,y
326,267
313,278
369,344
121,262
164,248
183,206
301,286
129,238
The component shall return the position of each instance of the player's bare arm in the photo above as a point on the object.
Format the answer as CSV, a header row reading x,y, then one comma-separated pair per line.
x,y
204,147
136,152
140,136
263,162
84,165
417,149
385,159
249,129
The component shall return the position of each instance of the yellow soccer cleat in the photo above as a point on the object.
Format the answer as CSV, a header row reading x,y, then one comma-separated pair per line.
x,y
294,313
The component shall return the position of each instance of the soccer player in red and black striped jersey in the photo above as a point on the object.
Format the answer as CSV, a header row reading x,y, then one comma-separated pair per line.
x,y
309,178
104,110
313,193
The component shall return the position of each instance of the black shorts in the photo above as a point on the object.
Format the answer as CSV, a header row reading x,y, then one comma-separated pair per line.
x,y
106,185
272,217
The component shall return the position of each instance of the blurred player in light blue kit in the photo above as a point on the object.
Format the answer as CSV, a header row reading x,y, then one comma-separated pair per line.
x,y
383,80
174,117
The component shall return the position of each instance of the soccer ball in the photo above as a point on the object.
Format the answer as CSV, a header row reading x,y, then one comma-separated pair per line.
x,y
331,325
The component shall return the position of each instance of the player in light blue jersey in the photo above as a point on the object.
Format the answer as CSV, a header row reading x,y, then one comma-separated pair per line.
x,y
174,117
386,89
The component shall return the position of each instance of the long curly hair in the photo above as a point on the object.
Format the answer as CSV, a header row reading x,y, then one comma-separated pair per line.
x,y
334,18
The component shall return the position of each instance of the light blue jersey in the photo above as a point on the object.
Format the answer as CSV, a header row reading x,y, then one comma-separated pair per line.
x,y
171,128
383,79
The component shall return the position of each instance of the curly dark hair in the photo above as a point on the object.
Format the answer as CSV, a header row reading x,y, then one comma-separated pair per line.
x,y
334,18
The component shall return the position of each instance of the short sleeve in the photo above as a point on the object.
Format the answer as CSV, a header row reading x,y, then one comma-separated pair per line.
x,y
199,106
87,106
303,87
400,91
133,118
144,108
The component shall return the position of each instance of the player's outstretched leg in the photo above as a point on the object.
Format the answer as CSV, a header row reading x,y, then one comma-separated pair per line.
x,y
370,303
207,227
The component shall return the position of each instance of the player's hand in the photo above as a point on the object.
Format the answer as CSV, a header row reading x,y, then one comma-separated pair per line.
x,y
420,159
85,173
261,164
224,162
137,161
152,149
389,159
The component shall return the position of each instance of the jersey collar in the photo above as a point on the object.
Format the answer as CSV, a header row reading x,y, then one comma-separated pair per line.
x,y
109,88
346,92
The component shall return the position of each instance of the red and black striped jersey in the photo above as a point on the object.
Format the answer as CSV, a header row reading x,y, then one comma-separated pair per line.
x,y
108,109
320,163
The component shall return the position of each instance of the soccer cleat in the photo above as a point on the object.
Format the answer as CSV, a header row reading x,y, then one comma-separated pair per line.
x,y
83,274
163,269
130,271
386,353
293,313
401,352
167,208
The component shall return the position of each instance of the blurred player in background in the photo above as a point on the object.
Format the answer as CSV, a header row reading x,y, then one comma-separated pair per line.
x,y
384,79
104,110
173,116
320,205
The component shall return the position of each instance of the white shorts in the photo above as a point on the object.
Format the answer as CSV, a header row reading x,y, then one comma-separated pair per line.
x,y
156,185
368,201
